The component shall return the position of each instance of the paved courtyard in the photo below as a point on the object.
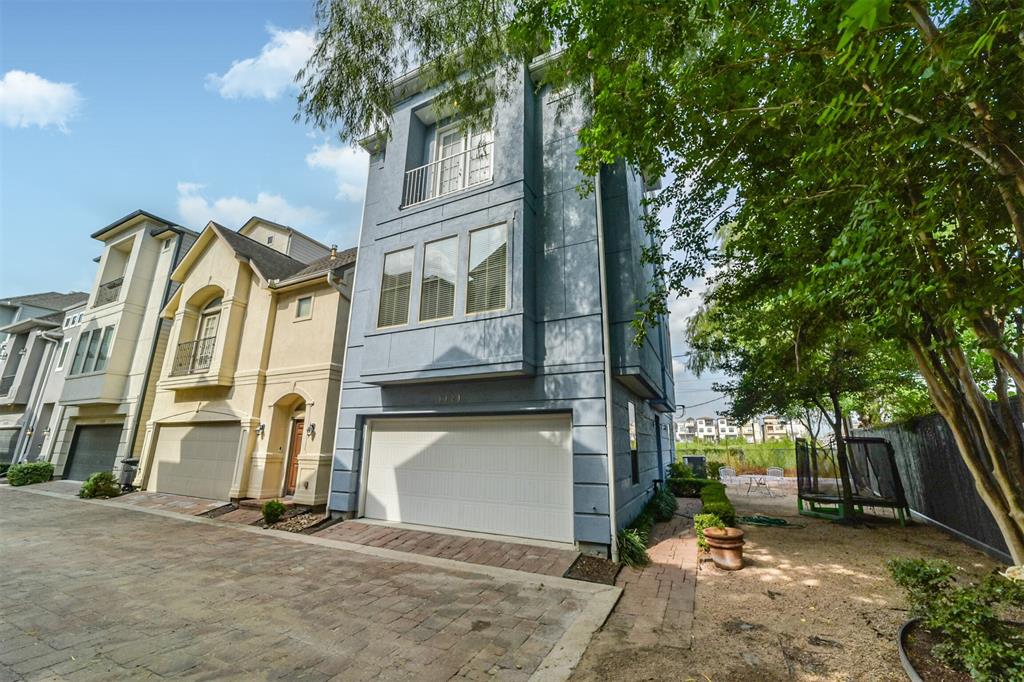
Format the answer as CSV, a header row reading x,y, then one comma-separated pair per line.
x,y
101,591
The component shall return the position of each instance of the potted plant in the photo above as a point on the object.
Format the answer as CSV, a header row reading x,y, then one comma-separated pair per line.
x,y
959,626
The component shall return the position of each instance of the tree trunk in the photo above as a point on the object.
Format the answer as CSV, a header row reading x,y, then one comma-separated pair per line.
x,y
841,459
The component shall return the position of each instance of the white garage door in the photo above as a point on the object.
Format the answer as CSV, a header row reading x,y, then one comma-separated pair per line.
x,y
503,475
198,461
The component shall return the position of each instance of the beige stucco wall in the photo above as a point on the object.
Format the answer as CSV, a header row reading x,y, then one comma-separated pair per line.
x,y
266,365
114,394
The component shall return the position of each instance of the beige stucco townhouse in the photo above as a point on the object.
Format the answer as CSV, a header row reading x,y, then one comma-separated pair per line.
x,y
247,397
107,388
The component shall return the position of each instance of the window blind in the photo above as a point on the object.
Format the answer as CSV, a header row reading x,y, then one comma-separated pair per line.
x,y
437,294
394,289
488,250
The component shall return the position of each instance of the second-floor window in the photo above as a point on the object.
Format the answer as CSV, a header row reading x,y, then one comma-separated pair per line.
x,y
395,287
634,447
485,288
93,351
440,268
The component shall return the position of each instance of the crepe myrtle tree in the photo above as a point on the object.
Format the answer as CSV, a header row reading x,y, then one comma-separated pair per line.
x,y
889,135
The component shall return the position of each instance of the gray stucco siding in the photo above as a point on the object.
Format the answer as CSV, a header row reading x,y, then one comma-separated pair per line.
x,y
548,339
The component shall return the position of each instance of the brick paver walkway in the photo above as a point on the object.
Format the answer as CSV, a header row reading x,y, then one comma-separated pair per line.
x,y
655,612
102,592
515,556
193,506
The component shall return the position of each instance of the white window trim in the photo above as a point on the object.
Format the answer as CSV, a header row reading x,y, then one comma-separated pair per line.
x,y
307,316
62,355
508,271
467,135
380,288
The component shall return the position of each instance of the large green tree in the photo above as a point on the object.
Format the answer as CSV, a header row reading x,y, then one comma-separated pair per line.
x,y
886,138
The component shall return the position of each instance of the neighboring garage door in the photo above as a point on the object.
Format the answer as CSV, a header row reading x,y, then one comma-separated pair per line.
x,y
93,449
198,461
503,475
8,438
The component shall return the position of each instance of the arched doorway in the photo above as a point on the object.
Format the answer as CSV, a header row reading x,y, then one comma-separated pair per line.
x,y
289,428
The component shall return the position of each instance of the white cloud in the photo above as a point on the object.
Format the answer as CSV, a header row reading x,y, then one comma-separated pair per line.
x,y
272,72
30,100
348,165
196,210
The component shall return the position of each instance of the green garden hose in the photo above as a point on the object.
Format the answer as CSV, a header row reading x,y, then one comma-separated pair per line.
x,y
761,520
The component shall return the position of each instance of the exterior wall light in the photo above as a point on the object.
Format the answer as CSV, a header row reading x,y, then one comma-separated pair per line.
x,y
260,429
311,430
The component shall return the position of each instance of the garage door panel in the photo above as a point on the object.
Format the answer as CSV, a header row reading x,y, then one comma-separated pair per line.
x,y
93,449
502,475
196,460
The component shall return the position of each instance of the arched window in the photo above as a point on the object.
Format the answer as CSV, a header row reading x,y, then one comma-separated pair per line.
x,y
209,319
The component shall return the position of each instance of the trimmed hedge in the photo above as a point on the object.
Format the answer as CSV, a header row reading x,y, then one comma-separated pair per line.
x,y
717,502
28,473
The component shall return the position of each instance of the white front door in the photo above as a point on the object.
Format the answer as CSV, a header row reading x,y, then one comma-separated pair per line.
x,y
503,475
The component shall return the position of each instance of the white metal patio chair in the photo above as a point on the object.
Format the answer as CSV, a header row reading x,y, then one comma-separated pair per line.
x,y
727,475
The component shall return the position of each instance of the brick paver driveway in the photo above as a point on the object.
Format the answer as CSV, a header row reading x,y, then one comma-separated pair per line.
x,y
104,592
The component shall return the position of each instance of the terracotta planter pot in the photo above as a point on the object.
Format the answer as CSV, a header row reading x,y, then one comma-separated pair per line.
x,y
726,545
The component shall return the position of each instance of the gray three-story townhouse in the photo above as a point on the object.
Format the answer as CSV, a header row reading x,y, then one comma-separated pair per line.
x,y
476,377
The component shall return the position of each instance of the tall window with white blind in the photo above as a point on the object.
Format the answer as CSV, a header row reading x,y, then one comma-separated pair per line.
x,y
488,259
440,268
394,289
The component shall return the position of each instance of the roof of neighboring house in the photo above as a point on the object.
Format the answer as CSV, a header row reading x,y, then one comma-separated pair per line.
x,y
53,320
131,216
341,260
256,220
52,300
271,264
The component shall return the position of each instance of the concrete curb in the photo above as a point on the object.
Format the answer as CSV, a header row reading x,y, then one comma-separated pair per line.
x,y
557,665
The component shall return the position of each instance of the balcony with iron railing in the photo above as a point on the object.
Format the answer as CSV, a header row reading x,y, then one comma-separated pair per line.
x,y
448,175
193,357
108,292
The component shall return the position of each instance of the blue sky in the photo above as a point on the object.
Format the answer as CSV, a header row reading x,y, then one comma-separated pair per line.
x,y
180,108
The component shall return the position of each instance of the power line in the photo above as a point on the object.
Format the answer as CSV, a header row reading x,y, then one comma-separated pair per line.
x,y
707,402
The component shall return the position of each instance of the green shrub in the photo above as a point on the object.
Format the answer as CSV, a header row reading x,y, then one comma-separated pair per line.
x,y
4,468
680,470
633,547
28,473
663,505
702,521
687,487
714,468
967,615
100,484
717,502
273,510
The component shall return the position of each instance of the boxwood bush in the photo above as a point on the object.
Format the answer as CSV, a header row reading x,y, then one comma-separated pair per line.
x,y
100,484
273,510
717,502
970,616
28,473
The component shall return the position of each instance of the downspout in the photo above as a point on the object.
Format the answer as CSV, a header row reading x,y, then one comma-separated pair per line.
x,y
36,397
606,338
152,350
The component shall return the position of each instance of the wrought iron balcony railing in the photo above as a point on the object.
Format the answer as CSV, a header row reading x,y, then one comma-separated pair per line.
x,y
447,175
108,292
193,357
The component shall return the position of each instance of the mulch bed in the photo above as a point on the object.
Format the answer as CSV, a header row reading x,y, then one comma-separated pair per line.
x,y
918,646
593,569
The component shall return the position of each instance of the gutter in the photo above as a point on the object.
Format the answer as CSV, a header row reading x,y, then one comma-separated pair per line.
x,y
606,337
152,352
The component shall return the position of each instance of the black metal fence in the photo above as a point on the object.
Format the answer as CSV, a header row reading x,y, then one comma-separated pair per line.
x,y
192,357
938,485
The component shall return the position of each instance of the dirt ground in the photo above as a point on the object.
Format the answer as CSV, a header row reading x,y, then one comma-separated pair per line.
x,y
812,603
